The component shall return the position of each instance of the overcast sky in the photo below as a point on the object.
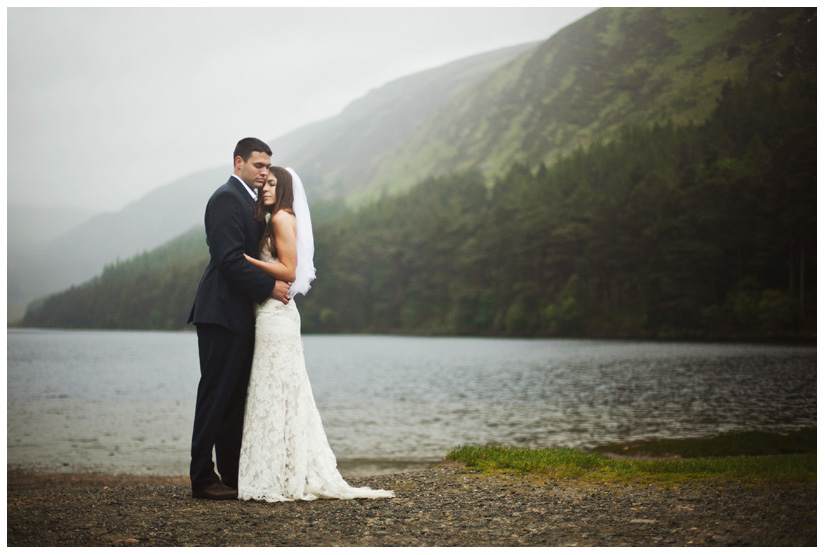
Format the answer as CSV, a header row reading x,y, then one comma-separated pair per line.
x,y
107,104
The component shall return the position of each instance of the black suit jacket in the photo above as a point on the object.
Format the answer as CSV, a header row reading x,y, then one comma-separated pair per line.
x,y
230,283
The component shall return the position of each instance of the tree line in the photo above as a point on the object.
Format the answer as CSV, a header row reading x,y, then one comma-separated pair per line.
x,y
697,231
700,231
153,290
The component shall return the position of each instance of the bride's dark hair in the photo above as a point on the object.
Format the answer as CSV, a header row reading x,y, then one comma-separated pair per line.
x,y
283,201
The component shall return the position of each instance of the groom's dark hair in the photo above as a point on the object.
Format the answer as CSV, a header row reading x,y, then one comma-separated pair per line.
x,y
246,147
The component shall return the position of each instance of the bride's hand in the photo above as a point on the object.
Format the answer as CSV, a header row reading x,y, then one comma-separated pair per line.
x,y
249,258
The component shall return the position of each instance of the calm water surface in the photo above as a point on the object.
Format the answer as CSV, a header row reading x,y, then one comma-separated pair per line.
x,y
118,401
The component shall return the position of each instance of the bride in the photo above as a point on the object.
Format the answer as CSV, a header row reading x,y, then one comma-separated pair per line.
x,y
285,454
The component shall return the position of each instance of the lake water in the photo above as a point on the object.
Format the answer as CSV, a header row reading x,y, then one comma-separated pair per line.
x,y
122,401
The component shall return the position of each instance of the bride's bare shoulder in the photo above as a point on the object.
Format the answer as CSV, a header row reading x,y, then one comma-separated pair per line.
x,y
284,216
283,219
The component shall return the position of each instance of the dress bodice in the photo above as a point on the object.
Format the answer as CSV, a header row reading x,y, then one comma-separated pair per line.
x,y
266,255
273,305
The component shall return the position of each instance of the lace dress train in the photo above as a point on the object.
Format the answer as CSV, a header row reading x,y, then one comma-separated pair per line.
x,y
285,455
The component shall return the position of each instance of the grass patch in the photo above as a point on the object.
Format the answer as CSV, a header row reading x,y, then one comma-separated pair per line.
x,y
769,468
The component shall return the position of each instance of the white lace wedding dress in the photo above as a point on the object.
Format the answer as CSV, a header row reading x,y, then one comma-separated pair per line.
x,y
285,455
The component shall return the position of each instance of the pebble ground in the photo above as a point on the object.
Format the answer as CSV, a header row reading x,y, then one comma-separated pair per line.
x,y
443,506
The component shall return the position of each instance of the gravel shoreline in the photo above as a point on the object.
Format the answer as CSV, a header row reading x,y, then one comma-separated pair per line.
x,y
448,505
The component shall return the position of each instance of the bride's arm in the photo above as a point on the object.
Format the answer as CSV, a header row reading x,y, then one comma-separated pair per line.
x,y
285,233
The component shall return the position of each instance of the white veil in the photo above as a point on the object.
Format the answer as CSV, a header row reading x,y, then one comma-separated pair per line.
x,y
305,243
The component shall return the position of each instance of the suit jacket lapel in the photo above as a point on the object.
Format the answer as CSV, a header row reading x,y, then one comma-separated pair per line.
x,y
258,226
236,183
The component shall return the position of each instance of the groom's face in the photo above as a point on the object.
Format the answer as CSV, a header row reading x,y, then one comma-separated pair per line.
x,y
255,170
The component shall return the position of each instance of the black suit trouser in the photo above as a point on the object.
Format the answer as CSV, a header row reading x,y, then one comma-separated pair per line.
x,y
226,360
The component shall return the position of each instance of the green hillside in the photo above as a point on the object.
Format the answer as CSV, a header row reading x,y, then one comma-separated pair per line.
x,y
525,104
664,232
346,150
693,214
615,67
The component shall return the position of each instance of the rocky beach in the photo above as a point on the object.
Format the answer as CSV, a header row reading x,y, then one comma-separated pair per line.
x,y
448,505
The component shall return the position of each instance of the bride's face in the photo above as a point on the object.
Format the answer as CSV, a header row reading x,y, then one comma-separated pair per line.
x,y
268,190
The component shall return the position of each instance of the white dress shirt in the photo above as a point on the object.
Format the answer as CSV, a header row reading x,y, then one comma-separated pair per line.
x,y
252,192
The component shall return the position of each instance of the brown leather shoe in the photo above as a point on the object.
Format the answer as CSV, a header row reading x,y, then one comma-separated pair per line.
x,y
217,492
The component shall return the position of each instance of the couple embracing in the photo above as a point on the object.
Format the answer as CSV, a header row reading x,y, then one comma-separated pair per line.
x,y
254,402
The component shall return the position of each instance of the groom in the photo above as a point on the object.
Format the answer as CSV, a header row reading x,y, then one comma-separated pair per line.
x,y
223,313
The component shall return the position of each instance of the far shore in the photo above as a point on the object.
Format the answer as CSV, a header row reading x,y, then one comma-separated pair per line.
x,y
801,338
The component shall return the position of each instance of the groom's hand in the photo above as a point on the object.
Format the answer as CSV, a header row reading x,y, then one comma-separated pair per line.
x,y
281,291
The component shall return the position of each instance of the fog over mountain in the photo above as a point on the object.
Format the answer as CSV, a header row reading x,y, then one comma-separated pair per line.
x,y
525,105
32,224
38,268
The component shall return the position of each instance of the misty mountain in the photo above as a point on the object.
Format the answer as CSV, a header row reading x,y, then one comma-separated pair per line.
x,y
615,67
30,226
81,253
27,224
48,255
529,104
699,231
347,155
